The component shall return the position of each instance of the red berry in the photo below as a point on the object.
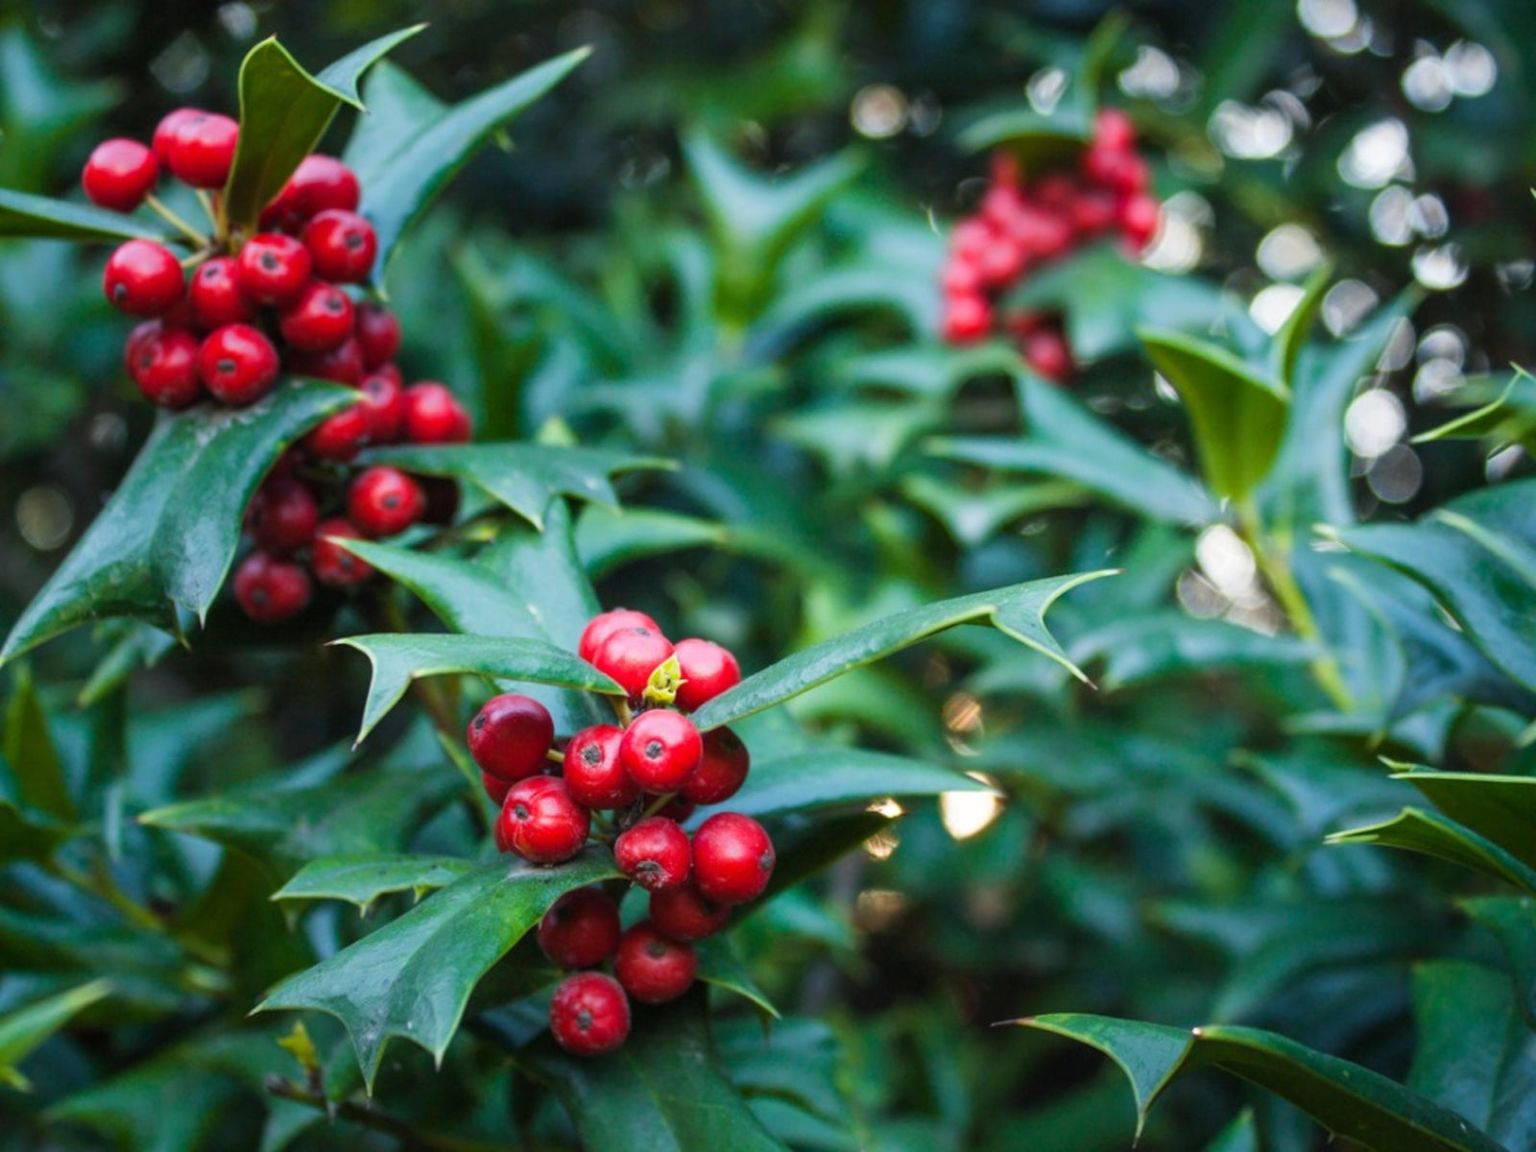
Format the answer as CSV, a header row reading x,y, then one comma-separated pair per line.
x,y
319,320
1002,263
1042,235
342,245
630,654
960,278
707,670
383,501
966,319
342,364
589,1014
721,771
1113,130
201,148
496,789
732,858
511,736
216,296
318,184
433,415
652,968
1049,354
378,331
163,363
334,566
661,749
341,435
143,278
540,822
581,930
170,124
1111,168
653,853
119,174
1093,211
970,238
594,771
683,914
603,623
269,589
274,269
283,515
238,364
1139,218
385,402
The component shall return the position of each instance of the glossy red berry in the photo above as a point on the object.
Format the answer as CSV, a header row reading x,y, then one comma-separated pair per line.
x,y
238,364
652,968
732,858
342,245
143,278
269,589
341,435
722,770
343,364
960,278
1113,129
216,297
594,771
163,363
661,749
683,914
318,184
274,269
165,132
1049,354
511,736
384,400
540,822
966,319
119,174
283,515
1139,218
589,1014
333,565
378,332
496,789
653,853
630,654
433,415
383,501
319,320
707,670
581,929
201,149
603,623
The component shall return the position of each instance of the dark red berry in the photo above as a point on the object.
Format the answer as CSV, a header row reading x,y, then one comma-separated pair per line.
x,y
677,809
163,363
238,364
383,501
653,853
722,770
336,567
630,654
661,749
319,320
732,858
119,174
496,789
707,670
1139,218
652,968
378,331
683,914
341,435
540,822
165,132
1093,211
594,771
216,296
511,736
385,401
1049,354
603,623
342,245
269,589
283,515
201,148
143,278
589,1014
966,319
342,364
1113,168
318,184
581,929
1113,129
433,415
274,269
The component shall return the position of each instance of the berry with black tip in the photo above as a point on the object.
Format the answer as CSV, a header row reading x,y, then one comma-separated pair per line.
x,y
589,1014
334,566
594,771
683,914
384,400
283,515
342,246
733,858
320,319
722,768
215,294
342,364
541,823
383,501
654,854
581,929
652,968
378,332
661,749
163,363
238,364
511,736
270,589
143,278
274,269
119,173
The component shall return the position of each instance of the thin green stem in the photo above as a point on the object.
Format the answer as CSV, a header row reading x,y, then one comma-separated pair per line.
x,y
658,804
621,710
162,210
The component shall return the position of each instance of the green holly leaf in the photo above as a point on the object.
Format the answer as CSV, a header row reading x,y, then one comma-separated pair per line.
x,y
1143,648
721,966
32,771
832,776
361,880
1432,834
23,1029
1502,808
40,218
1512,922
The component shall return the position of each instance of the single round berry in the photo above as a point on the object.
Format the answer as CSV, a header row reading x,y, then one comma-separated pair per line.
x,y
661,749
960,278
119,174
630,654
238,364
594,771
589,1014
274,269
1113,129
334,566
378,331
343,364
541,823
201,149
732,858
1122,171
143,278
496,789
967,319
581,929
341,435
383,501
216,297
319,320
722,770
683,914
1049,354
1002,263
511,736
603,623
1139,218
269,589
653,853
433,415
165,132
318,184
1093,210
385,401
652,968
707,670
342,245
283,515
163,363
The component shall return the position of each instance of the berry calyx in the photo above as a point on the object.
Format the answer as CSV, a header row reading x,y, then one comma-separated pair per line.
x,y
707,670
269,589
630,654
119,173
333,565
603,623
384,501
378,332
163,363
215,295
201,148
540,822
652,968
342,246
589,1014
433,415
274,269
238,364
511,736
654,854
143,278
594,771
722,768
683,914
318,320
283,515
581,929
733,858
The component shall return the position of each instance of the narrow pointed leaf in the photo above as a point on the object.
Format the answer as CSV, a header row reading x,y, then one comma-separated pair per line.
x,y
830,776
361,880
720,966
22,1030
1432,834
1512,922
1502,808
39,218
29,758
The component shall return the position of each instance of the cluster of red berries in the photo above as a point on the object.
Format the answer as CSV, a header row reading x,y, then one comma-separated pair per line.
x,y
631,786
241,311
1021,226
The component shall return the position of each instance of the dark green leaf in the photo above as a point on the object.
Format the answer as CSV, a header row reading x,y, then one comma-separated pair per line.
x,y
1285,349
361,880
829,776
1501,808
720,966
805,846
45,219
1512,921
1433,835
1147,647
1040,141
28,751
25,1028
